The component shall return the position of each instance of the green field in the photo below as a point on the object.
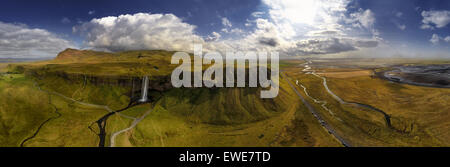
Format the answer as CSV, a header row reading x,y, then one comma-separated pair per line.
x,y
418,114
178,117
57,102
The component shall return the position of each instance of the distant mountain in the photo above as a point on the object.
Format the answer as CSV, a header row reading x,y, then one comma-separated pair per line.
x,y
74,55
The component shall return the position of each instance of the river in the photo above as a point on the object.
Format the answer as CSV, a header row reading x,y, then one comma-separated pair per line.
x,y
339,99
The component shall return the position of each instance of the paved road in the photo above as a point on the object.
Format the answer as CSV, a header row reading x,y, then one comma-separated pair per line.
x,y
316,114
135,122
387,117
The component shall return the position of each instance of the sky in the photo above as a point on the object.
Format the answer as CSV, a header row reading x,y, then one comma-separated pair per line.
x,y
328,28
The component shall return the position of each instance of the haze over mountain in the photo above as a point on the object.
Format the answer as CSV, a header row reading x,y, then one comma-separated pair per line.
x,y
357,28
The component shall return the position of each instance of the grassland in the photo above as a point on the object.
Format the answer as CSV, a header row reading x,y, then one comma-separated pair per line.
x,y
79,87
79,83
231,117
26,106
22,109
419,115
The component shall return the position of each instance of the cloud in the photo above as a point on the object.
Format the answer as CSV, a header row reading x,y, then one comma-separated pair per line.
x,y
324,46
213,37
332,45
366,43
314,27
285,29
401,26
91,12
19,41
366,18
435,19
325,33
447,39
257,14
398,25
139,31
226,22
426,26
399,14
65,20
362,18
228,27
289,26
435,39
268,41
294,18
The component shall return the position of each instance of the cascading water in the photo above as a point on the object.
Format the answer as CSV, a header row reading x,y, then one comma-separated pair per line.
x,y
144,89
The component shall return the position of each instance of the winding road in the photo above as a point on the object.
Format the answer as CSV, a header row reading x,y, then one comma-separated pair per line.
x,y
101,122
135,122
317,115
91,105
337,98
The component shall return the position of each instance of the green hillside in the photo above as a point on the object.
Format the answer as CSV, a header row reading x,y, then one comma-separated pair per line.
x,y
86,85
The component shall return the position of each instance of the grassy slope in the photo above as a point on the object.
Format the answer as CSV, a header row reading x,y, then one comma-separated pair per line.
x,y
419,112
183,117
22,109
229,117
214,117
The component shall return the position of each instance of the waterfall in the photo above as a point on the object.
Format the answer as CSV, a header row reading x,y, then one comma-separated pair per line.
x,y
144,89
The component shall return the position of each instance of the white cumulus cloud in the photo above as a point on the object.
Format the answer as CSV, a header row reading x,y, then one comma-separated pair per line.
x,y
139,31
312,27
365,18
291,27
435,19
20,41
226,22
435,39
214,36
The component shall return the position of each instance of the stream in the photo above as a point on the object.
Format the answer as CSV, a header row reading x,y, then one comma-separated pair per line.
x,y
361,105
311,109
46,121
101,123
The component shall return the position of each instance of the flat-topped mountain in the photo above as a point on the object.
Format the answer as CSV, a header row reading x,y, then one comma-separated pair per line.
x,y
79,55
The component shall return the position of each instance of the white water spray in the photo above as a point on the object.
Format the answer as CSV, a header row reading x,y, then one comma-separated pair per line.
x,y
144,89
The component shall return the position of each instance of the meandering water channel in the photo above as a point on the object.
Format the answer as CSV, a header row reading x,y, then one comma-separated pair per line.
x,y
309,70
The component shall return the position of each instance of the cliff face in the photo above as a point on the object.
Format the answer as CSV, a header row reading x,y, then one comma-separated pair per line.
x,y
158,83
104,69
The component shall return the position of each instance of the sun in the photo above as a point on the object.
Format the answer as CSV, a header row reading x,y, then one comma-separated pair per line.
x,y
295,11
